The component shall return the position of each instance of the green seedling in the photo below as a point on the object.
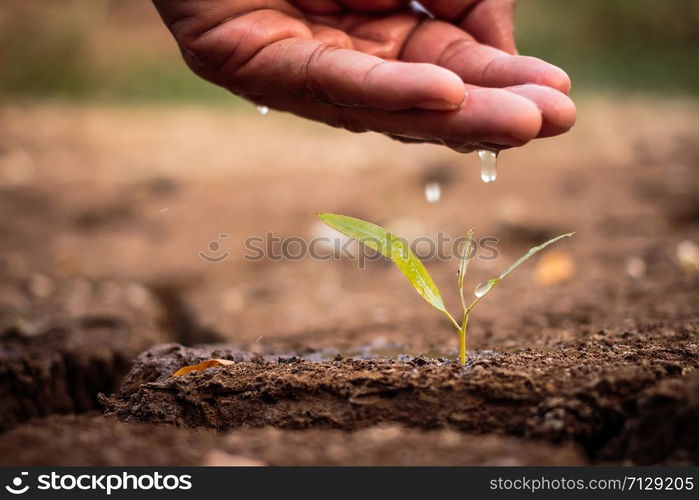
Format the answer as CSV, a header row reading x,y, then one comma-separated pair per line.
x,y
397,249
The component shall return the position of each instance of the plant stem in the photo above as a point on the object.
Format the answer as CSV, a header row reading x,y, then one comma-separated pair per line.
x,y
462,339
463,266
463,299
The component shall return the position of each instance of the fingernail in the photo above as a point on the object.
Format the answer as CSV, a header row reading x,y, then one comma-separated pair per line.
x,y
439,105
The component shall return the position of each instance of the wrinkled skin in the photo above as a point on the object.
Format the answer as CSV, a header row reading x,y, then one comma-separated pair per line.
x,y
454,79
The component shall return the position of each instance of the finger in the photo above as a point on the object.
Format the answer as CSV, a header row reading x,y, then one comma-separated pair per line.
x,y
311,70
493,116
491,22
448,46
557,109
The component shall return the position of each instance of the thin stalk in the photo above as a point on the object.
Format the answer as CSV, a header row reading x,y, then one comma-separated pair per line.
x,y
462,338
461,294
463,267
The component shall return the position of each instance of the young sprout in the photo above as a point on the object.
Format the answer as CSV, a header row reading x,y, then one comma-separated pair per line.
x,y
397,249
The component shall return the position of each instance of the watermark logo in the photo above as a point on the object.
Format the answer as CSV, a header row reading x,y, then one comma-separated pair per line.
x,y
272,247
16,488
294,248
215,248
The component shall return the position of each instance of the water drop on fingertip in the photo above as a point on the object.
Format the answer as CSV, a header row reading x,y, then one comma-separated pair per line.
x,y
262,109
433,192
489,164
481,289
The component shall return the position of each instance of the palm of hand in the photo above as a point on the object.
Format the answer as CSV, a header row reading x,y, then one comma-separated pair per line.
x,y
377,65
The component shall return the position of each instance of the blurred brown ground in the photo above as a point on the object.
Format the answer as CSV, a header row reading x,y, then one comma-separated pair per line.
x,y
135,193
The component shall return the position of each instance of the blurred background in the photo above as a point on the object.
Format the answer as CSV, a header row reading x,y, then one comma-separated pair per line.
x,y
118,167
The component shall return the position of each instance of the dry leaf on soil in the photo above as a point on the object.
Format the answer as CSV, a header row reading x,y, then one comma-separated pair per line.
x,y
204,365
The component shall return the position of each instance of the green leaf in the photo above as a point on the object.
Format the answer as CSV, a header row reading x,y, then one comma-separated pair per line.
x,y
389,245
488,285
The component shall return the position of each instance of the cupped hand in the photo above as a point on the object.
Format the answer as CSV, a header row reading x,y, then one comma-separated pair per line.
x,y
454,78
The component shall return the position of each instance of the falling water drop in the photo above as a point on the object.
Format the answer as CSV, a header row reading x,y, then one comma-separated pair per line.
x,y
262,109
489,164
482,288
433,192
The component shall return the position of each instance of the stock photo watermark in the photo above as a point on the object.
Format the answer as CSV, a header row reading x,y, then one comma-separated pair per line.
x,y
214,252
272,247
99,483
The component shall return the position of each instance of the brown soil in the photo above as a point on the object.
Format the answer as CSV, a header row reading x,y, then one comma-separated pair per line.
x,y
75,348
59,371
103,213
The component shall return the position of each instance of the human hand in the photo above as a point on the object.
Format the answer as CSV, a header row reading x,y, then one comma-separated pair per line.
x,y
377,65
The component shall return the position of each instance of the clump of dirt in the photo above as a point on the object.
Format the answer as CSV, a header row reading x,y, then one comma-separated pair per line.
x,y
595,393
161,361
62,368
665,425
93,440
64,341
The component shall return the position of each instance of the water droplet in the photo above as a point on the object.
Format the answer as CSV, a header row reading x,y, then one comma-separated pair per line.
x,y
481,289
263,110
433,192
489,164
